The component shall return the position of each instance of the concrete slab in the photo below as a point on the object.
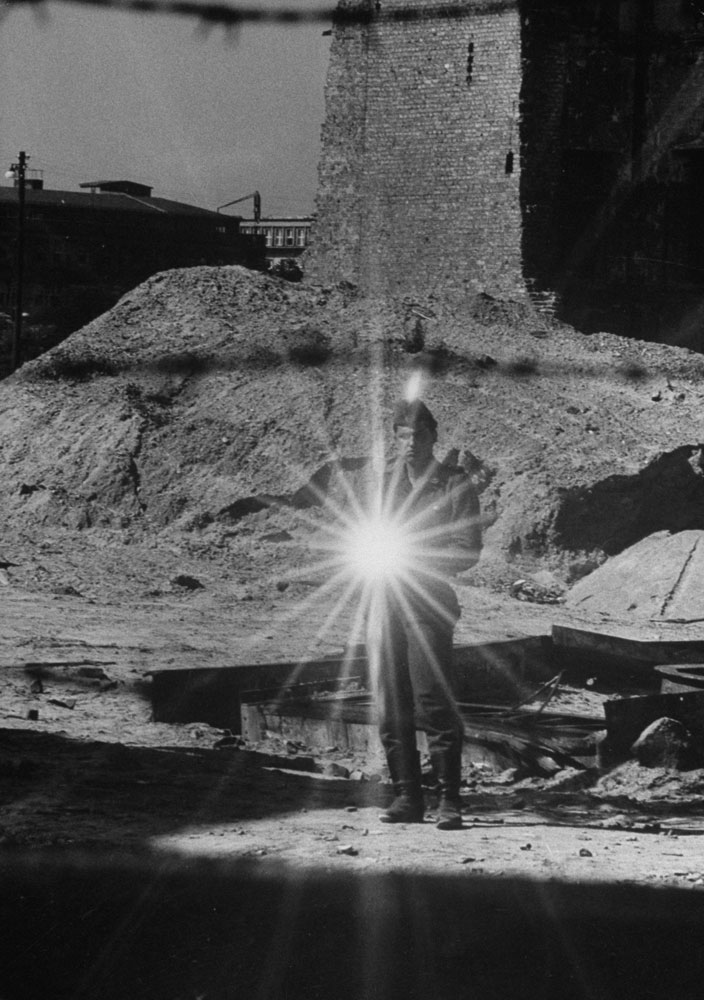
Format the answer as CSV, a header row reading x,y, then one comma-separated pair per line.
x,y
659,578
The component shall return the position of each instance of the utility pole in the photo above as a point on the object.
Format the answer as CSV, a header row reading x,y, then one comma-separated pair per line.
x,y
19,170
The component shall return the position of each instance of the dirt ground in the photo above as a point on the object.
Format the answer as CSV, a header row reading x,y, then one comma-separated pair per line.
x,y
93,769
156,483
148,860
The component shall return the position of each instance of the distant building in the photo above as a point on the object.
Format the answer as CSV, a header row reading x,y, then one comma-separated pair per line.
x,y
85,249
284,236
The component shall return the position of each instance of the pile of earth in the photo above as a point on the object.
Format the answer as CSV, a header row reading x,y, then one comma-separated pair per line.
x,y
206,394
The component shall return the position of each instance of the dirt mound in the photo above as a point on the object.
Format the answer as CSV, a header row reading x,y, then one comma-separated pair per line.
x,y
205,390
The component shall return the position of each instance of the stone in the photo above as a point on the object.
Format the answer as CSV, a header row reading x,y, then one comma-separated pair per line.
x,y
664,743
186,581
349,850
335,770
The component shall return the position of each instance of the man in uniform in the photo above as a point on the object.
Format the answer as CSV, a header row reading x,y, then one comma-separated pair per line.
x,y
439,510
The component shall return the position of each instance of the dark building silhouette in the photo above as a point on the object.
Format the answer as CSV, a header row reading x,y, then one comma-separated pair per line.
x,y
85,249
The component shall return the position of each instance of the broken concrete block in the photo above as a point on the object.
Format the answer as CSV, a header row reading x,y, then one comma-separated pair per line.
x,y
664,743
335,770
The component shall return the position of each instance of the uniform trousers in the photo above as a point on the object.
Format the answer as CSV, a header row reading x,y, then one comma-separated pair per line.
x,y
416,686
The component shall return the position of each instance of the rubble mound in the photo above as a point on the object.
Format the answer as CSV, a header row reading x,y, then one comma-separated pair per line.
x,y
208,394
659,578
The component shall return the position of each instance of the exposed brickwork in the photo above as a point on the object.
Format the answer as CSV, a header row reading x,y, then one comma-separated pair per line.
x,y
505,146
419,185
341,219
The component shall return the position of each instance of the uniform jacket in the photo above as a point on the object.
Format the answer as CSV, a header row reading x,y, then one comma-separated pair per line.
x,y
441,515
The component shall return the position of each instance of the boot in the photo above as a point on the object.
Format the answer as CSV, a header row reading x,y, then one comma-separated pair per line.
x,y
449,816
447,765
408,805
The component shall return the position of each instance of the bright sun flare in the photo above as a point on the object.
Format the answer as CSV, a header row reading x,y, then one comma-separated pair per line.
x,y
377,550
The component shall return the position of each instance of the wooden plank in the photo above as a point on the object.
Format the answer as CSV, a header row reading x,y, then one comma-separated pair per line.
x,y
646,651
253,723
214,694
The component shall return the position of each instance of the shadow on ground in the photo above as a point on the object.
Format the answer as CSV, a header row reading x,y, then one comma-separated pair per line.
x,y
121,929
56,791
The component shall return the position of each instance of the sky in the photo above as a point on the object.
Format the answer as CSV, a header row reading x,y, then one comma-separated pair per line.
x,y
202,117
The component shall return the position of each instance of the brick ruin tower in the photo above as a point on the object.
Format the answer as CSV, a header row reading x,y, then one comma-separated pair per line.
x,y
551,149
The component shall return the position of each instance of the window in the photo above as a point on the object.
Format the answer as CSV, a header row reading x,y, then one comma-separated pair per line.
x,y
289,237
470,62
300,237
278,236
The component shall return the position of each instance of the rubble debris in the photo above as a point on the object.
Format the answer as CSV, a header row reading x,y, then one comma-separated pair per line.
x,y
67,590
278,536
540,588
334,770
186,582
69,703
232,742
94,673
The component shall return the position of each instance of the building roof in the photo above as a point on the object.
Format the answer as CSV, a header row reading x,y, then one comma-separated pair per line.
x,y
120,187
110,202
275,220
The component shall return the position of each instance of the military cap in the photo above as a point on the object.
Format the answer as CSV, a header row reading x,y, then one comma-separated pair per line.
x,y
409,413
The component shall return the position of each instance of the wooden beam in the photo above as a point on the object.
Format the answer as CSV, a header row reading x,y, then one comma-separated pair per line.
x,y
646,651
215,694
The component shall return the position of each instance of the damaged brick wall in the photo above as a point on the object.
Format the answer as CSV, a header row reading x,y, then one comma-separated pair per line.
x,y
502,145
416,181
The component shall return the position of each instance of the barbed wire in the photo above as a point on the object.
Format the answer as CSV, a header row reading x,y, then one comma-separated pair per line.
x,y
228,16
